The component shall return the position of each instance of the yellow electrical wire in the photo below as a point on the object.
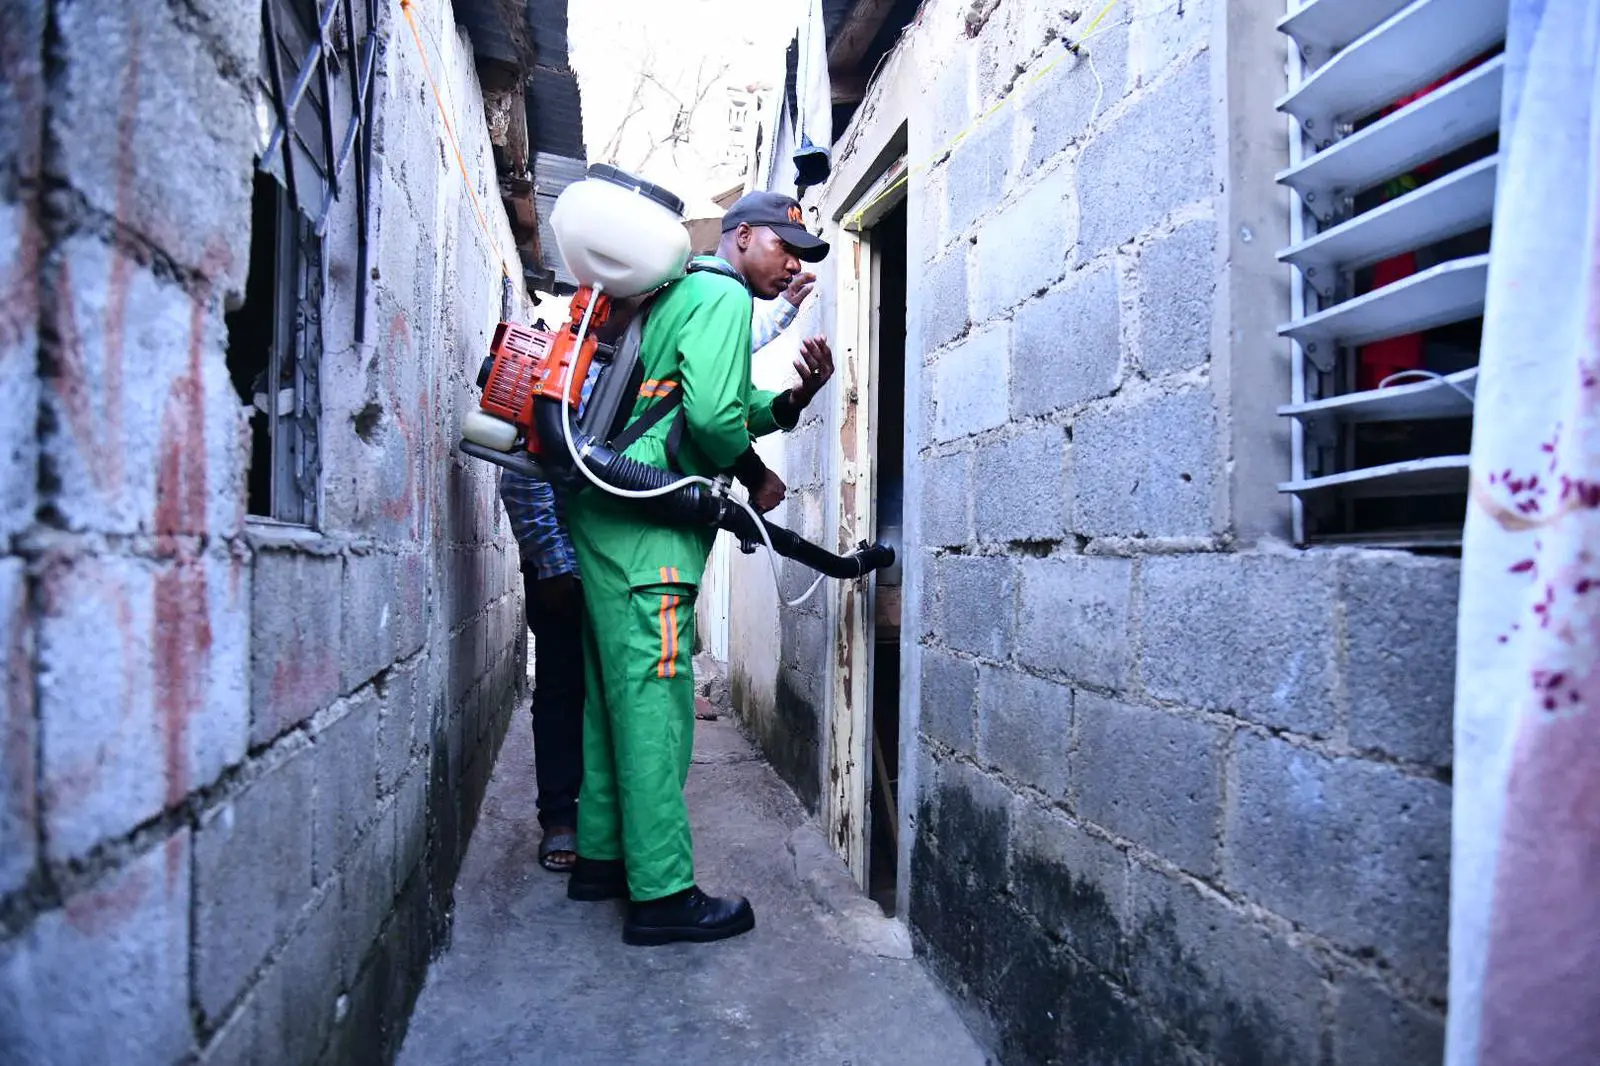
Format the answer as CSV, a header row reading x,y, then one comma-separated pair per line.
x,y
461,162
854,220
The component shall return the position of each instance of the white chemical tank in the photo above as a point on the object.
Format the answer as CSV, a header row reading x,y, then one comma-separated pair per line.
x,y
619,233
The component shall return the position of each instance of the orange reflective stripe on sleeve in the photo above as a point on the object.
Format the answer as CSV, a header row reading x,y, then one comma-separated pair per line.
x,y
667,666
666,644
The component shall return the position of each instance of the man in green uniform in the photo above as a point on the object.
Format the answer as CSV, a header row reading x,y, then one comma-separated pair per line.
x,y
640,578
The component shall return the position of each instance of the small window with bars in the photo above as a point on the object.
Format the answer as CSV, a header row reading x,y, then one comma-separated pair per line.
x,y
318,60
1394,157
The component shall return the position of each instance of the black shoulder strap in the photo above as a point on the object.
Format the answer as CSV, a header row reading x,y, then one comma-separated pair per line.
x,y
716,266
647,421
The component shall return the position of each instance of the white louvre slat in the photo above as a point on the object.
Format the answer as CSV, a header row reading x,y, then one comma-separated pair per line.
x,y
1439,476
1437,398
1449,292
1455,204
1422,43
1454,115
1329,25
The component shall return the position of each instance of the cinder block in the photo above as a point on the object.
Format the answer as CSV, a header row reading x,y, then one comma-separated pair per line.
x,y
809,640
969,385
346,782
194,203
405,697
1249,634
106,978
944,298
1025,728
1355,851
1147,468
1074,885
975,611
252,874
1156,158
385,619
147,423
976,175
295,1002
297,629
234,31
1023,250
165,644
1074,617
964,816
947,103
947,491
18,746
1374,1027
1400,667
1067,346
1020,492
1162,31
950,700
1240,993
1177,281
1062,103
368,888
411,824
20,243
22,97
1151,776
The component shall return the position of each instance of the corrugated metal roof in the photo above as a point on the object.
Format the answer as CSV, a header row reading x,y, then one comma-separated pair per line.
x,y
555,112
551,175
498,29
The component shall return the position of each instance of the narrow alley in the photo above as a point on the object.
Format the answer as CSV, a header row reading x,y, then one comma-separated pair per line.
x,y
530,977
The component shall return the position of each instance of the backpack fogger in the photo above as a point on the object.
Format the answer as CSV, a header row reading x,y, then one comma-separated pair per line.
x,y
621,238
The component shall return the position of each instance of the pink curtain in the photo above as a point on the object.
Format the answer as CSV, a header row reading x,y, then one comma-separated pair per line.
x,y
1525,914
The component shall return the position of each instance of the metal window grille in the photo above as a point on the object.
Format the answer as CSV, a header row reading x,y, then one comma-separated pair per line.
x,y
318,62
1395,117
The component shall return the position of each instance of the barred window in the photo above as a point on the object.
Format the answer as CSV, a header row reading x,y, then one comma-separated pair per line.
x,y
318,60
1395,111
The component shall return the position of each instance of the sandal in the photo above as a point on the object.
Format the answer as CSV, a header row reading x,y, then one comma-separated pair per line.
x,y
558,851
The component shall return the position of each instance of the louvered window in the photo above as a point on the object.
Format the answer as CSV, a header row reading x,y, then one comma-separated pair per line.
x,y
1395,115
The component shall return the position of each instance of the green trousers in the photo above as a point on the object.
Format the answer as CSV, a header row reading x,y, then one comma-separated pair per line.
x,y
638,716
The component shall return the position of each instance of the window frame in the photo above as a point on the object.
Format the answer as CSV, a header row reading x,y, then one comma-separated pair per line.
x,y
314,166
1322,457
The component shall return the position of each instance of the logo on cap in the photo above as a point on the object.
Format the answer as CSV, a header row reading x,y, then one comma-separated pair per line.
x,y
795,216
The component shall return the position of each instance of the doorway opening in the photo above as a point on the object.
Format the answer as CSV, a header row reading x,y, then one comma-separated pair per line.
x,y
889,282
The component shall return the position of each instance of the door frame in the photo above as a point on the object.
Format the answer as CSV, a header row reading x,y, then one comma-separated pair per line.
x,y
847,777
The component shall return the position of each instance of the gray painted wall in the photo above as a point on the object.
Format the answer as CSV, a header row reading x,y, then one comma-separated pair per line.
x,y
240,764
1176,791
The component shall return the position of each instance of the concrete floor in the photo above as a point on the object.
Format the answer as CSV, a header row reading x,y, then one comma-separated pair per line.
x,y
531,978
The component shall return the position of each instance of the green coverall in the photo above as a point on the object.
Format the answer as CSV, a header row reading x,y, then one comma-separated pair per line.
x,y
640,581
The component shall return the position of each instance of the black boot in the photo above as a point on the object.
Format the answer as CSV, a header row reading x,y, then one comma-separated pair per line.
x,y
687,915
594,880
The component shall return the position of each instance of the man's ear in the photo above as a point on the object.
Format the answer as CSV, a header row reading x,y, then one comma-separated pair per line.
x,y
744,235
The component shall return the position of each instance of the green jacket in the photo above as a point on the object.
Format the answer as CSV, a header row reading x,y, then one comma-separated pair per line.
x,y
697,339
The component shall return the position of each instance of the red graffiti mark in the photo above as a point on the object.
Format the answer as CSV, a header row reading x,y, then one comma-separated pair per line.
x,y
183,636
18,755
90,422
100,910
398,346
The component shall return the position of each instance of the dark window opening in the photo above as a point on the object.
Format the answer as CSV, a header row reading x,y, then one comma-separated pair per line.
x,y
274,353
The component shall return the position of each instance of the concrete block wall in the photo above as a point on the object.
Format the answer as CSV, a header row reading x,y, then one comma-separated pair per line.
x,y
1181,790
241,761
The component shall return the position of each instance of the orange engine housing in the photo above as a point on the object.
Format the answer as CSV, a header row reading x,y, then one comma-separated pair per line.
x,y
530,365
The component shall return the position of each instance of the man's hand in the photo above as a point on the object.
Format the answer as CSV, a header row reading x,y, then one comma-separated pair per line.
x,y
557,595
800,287
815,366
768,493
